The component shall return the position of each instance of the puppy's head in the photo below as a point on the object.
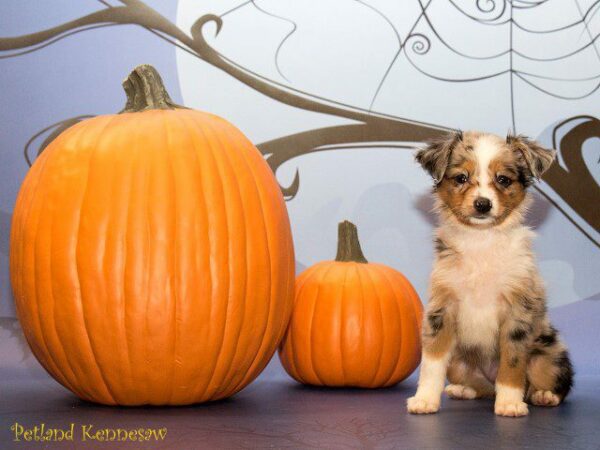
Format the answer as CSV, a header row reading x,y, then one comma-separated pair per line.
x,y
481,179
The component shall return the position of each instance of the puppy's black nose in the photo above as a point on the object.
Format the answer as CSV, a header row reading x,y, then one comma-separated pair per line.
x,y
482,205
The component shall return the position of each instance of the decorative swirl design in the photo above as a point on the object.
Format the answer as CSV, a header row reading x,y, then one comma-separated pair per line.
x,y
419,43
488,10
483,9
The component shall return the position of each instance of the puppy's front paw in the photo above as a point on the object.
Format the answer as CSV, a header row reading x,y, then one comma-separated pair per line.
x,y
511,409
419,405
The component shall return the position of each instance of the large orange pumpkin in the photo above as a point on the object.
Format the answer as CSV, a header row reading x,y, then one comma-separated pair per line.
x,y
151,255
354,323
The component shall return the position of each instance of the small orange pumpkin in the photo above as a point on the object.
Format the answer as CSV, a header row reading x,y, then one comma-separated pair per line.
x,y
354,323
151,255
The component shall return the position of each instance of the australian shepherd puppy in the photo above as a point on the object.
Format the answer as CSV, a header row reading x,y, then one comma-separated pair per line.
x,y
486,328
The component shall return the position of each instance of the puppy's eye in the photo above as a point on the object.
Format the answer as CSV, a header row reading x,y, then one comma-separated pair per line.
x,y
461,179
503,181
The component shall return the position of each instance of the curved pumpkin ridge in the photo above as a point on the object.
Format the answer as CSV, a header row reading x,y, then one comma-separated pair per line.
x,y
143,281
309,346
341,336
202,215
279,301
228,267
149,298
285,290
175,258
246,289
228,351
398,370
230,218
263,350
119,186
123,215
417,311
336,305
236,330
178,139
34,321
94,137
287,350
64,344
138,289
78,345
116,264
377,342
323,345
213,188
139,238
407,363
219,262
258,355
384,337
310,313
45,317
186,361
269,347
391,350
170,337
365,316
20,217
415,300
399,354
355,305
57,344
356,354
30,322
87,278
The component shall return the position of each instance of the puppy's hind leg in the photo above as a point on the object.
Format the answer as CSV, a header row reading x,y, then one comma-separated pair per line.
x,y
467,382
549,371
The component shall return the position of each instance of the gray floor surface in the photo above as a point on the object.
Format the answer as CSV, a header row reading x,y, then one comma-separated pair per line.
x,y
283,414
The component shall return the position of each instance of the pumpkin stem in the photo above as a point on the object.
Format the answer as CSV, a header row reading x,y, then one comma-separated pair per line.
x,y
145,90
348,244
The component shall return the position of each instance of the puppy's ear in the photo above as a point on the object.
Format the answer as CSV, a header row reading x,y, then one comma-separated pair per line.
x,y
435,157
533,158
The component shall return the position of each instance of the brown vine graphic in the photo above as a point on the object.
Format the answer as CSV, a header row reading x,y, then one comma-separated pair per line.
x,y
369,128
574,181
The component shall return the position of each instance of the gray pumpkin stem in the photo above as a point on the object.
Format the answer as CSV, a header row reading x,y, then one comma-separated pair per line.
x,y
145,90
348,244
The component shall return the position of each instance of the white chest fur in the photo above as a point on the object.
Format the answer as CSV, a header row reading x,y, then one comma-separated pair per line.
x,y
485,265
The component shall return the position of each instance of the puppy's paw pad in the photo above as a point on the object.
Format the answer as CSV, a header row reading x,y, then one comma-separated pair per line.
x,y
511,409
458,391
421,406
545,398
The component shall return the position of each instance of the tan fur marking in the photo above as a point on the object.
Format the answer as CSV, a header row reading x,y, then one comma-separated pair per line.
x,y
513,364
541,373
436,343
509,197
